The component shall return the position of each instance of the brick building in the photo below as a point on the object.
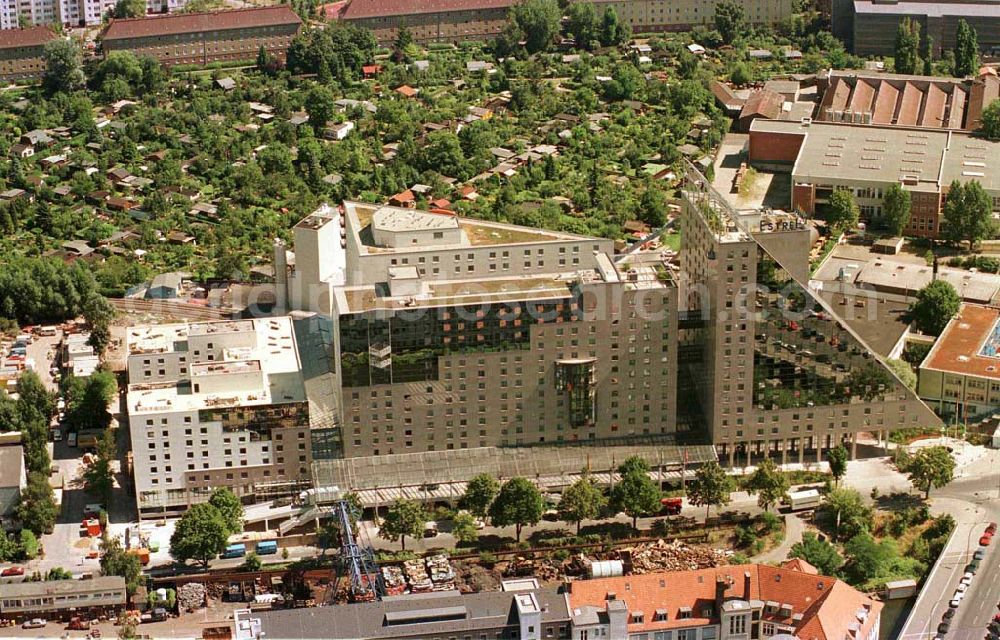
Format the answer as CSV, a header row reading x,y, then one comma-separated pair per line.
x,y
457,20
21,52
203,38
867,159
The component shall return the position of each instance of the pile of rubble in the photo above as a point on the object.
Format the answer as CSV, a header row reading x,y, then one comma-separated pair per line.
x,y
442,575
191,596
545,570
416,576
673,556
395,583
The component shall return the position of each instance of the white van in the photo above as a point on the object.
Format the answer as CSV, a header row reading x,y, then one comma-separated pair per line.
x,y
71,440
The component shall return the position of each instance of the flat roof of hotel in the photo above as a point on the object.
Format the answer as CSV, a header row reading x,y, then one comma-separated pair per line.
x,y
477,233
871,153
958,350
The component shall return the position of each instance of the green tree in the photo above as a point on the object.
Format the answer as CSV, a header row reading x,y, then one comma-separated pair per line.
x,y
581,501
58,573
967,213
582,24
130,8
403,518
251,562
63,66
850,513
463,527
99,313
230,507
115,561
904,372
934,306
27,545
99,477
896,208
711,487
991,120
518,503
819,553
966,49
931,468
907,48
613,31
200,534
868,559
535,22
652,207
741,74
768,483
266,63
633,464
320,106
843,213
730,21
328,535
479,494
37,510
837,459
636,493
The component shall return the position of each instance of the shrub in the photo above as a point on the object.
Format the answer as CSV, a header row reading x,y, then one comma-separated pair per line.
x,y
487,559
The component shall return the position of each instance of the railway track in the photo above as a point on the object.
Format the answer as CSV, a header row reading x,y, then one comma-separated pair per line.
x,y
171,309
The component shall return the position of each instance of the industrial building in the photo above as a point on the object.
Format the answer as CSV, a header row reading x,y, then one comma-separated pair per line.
x,y
22,51
868,27
863,97
223,404
206,37
960,377
458,20
61,599
867,159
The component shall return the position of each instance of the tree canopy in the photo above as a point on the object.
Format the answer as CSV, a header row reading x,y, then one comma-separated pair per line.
x,y
200,534
730,21
636,493
403,518
991,120
229,507
968,213
479,494
711,487
931,468
907,46
843,213
934,306
966,49
768,483
519,503
896,208
580,501
115,561
819,553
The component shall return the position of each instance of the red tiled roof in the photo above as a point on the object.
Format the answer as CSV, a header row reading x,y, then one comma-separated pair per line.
x,y
280,14
406,90
827,605
30,37
333,10
359,9
764,103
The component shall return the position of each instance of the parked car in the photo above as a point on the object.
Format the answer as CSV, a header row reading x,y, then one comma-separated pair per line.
x,y
979,555
985,541
949,614
34,623
991,528
12,571
944,627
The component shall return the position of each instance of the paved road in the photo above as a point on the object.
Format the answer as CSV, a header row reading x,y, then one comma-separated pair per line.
x,y
973,500
794,528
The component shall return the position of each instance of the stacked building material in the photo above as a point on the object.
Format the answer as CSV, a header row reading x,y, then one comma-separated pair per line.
x,y
673,556
395,583
442,575
417,576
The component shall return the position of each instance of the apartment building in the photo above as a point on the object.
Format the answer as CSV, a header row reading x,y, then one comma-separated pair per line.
x,y
960,377
453,333
737,602
203,38
867,159
457,20
776,371
218,404
61,599
868,27
69,13
530,614
22,51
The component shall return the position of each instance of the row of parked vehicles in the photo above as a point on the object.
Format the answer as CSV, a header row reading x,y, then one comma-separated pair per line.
x,y
965,583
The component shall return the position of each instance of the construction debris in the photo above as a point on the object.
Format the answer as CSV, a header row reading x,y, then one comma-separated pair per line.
x,y
442,575
395,583
416,576
191,596
671,556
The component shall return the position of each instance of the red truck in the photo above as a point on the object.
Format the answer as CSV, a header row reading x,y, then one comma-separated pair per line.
x,y
671,506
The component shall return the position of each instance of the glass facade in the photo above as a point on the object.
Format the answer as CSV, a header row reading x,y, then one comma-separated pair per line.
x,y
803,357
577,378
405,347
259,421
